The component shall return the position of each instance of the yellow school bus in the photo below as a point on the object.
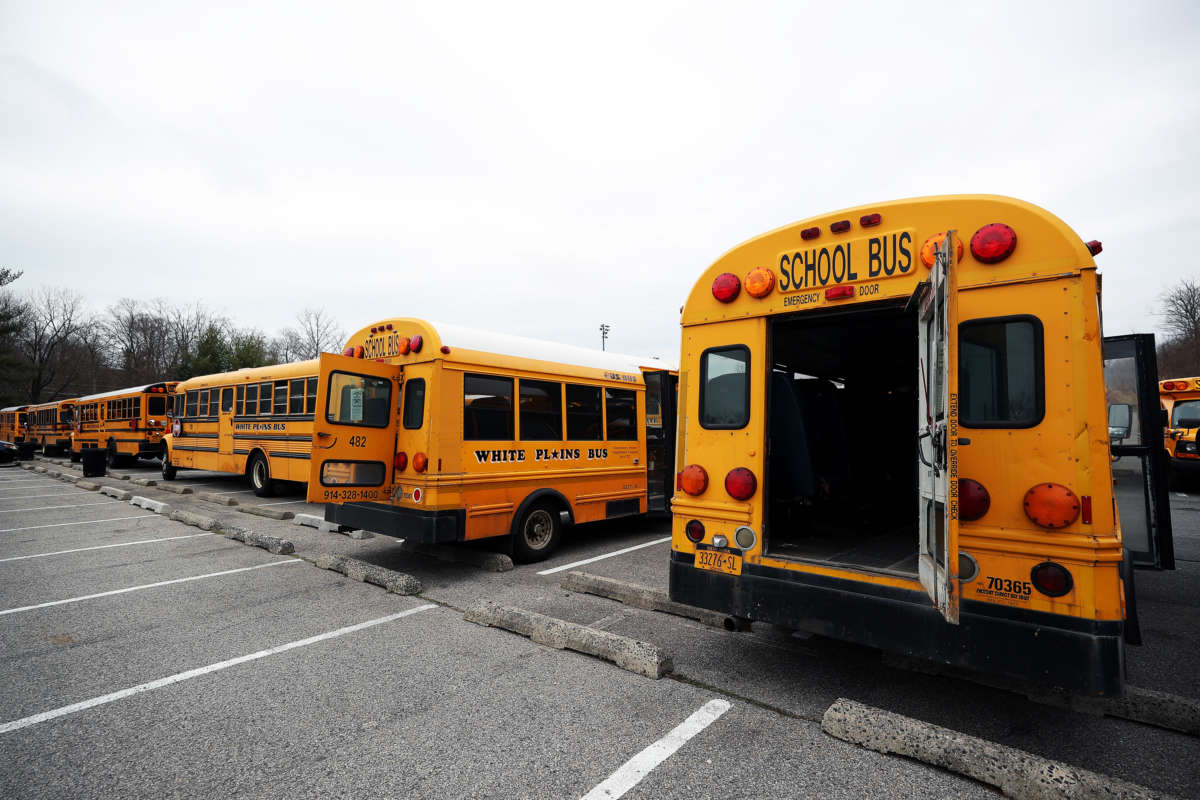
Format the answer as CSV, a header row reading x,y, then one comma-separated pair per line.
x,y
255,422
437,433
48,425
1180,398
12,424
892,431
127,424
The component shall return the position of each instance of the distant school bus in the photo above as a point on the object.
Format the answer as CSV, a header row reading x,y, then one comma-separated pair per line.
x,y
127,424
1180,399
12,424
49,425
436,433
893,432
254,422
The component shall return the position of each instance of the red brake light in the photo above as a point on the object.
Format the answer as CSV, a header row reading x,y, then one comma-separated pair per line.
x,y
726,287
870,220
1052,580
838,292
841,226
400,461
741,483
415,343
973,499
693,479
420,462
373,329
993,243
388,326
1094,247
349,351
445,350
810,233
694,530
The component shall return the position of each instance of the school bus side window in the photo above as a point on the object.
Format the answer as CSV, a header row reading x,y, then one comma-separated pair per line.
x,y
252,399
725,387
584,414
414,404
296,396
620,411
487,408
541,411
1001,381
310,396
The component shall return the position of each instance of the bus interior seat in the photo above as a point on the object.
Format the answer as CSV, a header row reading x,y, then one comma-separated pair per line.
x,y
789,459
826,428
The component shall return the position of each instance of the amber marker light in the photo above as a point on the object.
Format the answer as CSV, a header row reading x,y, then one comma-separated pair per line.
x,y
759,282
693,479
929,249
403,345
1051,505
420,462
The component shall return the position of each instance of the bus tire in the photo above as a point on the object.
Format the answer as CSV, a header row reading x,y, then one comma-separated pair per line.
x,y
168,472
537,534
259,472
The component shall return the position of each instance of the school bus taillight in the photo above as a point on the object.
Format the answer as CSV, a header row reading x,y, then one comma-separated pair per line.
x,y
1094,247
870,220
694,530
693,479
400,461
841,226
415,343
1052,580
1051,505
759,282
839,292
403,345
420,462
929,249
349,352
810,233
726,287
973,499
993,243
741,483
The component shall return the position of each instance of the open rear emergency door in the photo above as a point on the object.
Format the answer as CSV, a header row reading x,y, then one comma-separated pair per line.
x,y
354,430
937,428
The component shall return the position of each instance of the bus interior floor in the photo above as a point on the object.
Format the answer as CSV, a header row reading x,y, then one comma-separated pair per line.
x,y
894,550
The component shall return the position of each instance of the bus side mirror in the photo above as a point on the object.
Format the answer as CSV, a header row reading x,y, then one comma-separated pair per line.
x,y
1120,420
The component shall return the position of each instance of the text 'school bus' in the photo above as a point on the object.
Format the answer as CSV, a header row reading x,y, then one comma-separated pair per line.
x,y
127,424
436,433
255,422
1180,398
893,431
49,425
12,424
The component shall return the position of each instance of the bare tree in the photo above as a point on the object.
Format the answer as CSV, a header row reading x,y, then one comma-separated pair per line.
x,y
54,321
316,333
1180,314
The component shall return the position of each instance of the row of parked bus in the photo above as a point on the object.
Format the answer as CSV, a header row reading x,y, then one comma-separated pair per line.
x,y
896,425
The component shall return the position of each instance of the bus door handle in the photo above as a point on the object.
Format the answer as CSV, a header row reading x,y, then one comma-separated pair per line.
x,y
921,450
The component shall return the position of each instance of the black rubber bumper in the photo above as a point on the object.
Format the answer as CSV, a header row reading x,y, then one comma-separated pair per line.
x,y
1085,656
1189,465
410,524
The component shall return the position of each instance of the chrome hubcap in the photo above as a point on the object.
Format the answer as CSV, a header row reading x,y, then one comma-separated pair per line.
x,y
538,529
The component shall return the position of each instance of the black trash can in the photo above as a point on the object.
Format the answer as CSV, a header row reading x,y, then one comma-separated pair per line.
x,y
93,462
25,451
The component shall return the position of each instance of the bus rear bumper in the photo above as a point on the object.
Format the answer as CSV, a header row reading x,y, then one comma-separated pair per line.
x,y
410,524
1084,656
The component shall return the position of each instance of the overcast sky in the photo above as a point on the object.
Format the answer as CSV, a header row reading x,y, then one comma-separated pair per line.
x,y
539,170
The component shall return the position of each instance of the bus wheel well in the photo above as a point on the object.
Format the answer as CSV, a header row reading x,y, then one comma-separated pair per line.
x,y
258,451
544,497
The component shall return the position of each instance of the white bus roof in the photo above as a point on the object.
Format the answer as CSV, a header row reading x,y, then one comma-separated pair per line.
x,y
524,347
115,392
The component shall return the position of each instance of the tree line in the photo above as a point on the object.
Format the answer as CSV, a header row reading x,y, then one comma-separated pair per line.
x,y
52,345
1179,350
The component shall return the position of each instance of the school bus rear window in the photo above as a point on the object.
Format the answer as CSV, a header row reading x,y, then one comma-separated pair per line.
x,y
414,404
357,400
1000,377
725,387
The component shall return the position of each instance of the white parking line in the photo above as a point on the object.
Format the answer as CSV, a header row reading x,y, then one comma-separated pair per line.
x,y
23,483
45,716
27,487
84,522
51,508
149,586
79,493
572,565
632,771
106,546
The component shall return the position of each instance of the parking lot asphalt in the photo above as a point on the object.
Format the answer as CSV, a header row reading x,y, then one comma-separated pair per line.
x,y
145,657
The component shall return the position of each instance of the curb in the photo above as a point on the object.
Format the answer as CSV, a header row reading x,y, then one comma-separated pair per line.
x,y
494,562
273,544
644,597
190,518
263,511
167,487
1014,772
82,484
157,506
113,491
313,521
121,476
643,658
213,497
394,582
144,481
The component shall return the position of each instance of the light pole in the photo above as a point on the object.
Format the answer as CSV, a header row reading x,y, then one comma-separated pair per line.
x,y
604,329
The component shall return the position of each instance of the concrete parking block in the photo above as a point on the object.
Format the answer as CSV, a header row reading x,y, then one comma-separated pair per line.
x,y
113,491
157,506
394,582
1014,772
313,521
120,476
643,658
265,511
358,533
220,499
170,487
493,562
144,481
644,597
273,544
82,484
197,520
39,468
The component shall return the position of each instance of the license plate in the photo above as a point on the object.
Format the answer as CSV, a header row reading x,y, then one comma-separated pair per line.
x,y
717,561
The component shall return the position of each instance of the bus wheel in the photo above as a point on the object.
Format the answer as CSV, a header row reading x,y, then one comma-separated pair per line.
x,y
537,535
260,476
168,472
